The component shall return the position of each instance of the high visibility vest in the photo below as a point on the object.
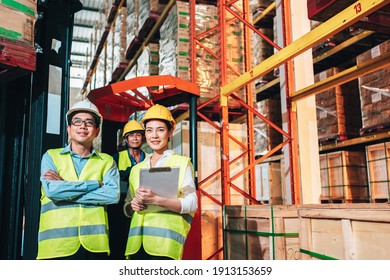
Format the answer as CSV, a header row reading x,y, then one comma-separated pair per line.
x,y
160,233
125,163
123,160
64,226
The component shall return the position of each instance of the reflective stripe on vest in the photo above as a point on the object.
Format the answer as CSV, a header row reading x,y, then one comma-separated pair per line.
x,y
71,232
65,225
161,233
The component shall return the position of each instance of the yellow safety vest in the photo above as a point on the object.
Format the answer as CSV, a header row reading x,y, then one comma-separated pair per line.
x,y
160,233
123,160
64,226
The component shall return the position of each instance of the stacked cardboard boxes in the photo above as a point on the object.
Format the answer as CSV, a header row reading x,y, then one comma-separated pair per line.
x,y
174,54
338,109
374,93
266,137
17,33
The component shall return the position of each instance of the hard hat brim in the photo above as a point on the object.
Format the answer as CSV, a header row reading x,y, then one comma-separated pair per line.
x,y
80,110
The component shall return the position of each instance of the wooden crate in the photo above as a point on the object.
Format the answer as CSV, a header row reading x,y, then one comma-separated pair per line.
x,y
378,163
269,183
261,232
344,177
344,231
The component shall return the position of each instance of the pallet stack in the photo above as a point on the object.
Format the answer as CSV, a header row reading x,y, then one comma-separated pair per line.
x,y
17,34
338,110
374,93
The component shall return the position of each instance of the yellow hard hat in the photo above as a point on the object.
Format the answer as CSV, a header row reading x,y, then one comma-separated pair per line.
x,y
159,112
132,126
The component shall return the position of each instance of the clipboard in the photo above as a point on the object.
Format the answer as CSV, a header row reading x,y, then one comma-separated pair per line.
x,y
162,181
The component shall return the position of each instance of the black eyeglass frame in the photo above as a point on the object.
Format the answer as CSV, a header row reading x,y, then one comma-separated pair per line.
x,y
87,122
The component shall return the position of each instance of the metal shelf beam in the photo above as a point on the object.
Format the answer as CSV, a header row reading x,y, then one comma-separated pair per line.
x,y
343,77
332,26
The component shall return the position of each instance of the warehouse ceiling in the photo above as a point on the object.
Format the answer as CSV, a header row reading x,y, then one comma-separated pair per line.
x,y
85,23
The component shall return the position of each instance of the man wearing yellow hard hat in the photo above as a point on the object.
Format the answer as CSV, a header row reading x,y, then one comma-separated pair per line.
x,y
160,235
133,135
78,182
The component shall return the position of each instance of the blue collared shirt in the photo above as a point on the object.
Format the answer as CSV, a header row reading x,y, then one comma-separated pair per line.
x,y
85,192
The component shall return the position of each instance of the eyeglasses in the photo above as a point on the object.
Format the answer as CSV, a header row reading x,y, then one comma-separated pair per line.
x,y
87,122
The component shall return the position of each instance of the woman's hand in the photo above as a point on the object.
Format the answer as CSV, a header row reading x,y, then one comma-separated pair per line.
x,y
136,205
146,196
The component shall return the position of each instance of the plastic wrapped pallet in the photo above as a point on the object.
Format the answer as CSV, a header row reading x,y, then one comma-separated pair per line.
x,y
260,48
338,109
266,137
235,54
148,61
207,63
174,54
148,13
374,93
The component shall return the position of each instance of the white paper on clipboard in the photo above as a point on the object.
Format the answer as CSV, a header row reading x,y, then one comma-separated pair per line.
x,y
162,181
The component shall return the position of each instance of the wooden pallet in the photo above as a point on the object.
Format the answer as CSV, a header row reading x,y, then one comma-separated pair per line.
x,y
332,139
325,200
375,129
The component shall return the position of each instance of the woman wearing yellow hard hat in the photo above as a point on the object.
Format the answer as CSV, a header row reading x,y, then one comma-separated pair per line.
x,y
160,235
